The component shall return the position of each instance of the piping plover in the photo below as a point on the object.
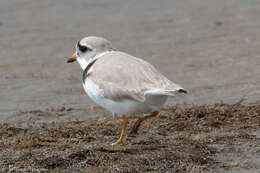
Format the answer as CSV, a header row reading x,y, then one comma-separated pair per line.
x,y
121,83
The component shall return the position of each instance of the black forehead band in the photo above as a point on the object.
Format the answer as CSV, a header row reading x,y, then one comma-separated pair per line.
x,y
81,47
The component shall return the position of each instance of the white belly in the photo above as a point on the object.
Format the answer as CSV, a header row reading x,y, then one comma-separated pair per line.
x,y
125,107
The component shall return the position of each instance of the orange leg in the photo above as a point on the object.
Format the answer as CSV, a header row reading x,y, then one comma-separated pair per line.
x,y
140,120
120,140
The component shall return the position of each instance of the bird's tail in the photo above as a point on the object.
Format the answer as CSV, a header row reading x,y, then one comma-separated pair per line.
x,y
170,92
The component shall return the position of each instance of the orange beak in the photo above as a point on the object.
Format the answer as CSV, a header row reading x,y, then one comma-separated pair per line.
x,y
73,58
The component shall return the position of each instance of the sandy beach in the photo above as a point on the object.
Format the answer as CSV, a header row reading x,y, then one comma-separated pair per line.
x,y
209,47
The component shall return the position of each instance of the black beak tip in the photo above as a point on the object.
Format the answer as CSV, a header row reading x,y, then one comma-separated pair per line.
x,y
70,60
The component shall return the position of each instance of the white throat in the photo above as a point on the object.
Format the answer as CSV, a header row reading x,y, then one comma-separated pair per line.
x,y
83,63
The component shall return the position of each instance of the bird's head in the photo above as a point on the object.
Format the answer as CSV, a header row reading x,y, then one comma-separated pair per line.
x,y
88,48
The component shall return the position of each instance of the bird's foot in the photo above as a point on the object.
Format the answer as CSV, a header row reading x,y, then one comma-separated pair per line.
x,y
117,142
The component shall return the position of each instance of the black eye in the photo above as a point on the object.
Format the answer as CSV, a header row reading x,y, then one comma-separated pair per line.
x,y
82,48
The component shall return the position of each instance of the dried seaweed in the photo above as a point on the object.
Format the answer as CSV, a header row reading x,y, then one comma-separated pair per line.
x,y
178,140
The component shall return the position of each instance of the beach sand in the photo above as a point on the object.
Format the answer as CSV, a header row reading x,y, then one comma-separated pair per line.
x,y
211,48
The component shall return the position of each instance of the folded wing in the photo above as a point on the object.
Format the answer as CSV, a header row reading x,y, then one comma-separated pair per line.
x,y
122,76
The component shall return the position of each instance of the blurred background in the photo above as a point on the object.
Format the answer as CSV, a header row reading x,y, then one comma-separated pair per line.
x,y
211,48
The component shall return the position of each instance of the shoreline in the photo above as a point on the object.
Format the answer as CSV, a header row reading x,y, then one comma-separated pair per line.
x,y
209,138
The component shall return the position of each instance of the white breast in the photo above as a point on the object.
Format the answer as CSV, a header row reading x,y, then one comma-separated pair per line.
x,y
125,107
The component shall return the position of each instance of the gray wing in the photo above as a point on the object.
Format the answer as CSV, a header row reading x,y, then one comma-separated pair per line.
x,y
122,76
